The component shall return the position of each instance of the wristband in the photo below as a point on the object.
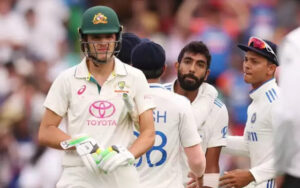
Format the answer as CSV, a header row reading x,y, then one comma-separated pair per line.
x,y
211,180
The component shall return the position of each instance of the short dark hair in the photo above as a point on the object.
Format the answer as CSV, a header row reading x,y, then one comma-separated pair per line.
x,y
197,47
152,74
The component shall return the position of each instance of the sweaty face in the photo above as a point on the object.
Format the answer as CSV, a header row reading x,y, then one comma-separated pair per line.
x,y
256,69
192,71
101,46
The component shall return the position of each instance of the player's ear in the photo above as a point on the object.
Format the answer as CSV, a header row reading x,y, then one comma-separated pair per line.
x,y
271,69
207,74
176,64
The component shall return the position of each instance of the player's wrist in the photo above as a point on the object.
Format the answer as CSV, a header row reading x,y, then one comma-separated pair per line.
x,y
124,151
250,176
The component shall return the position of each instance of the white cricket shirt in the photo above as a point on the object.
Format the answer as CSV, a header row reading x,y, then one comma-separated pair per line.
x,y
98,111
211,118
257,140
175,127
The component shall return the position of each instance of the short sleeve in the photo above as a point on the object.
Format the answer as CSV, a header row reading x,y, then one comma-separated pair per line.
x,y
219,127
187,128
57,98
143,99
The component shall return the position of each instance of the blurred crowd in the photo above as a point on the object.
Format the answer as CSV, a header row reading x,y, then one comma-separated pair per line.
x,y
39,39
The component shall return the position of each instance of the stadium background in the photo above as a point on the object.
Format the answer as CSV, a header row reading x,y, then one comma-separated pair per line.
x,y
39,39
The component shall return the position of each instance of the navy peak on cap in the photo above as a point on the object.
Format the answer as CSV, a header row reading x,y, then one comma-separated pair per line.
x,y
148,55
262,47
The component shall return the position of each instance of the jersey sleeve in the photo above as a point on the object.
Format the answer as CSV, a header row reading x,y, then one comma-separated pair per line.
x,y
58,95
187,128
264,172
219,127
143,99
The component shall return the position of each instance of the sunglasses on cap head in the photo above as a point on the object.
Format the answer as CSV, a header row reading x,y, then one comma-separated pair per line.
x,y
260,44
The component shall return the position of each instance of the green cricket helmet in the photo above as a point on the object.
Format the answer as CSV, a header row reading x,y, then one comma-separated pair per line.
x,y
99,20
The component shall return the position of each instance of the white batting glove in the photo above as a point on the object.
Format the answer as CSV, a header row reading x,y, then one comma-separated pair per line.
x,y
113,157
85,147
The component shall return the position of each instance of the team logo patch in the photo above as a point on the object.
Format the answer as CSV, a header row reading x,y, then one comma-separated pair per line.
x,y
102,109
81,90
253,118
224,131
121,86
100,18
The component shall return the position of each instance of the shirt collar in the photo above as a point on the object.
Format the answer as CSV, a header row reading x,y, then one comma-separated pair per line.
x,y
156,85
261,89
120,68
171,85
83,72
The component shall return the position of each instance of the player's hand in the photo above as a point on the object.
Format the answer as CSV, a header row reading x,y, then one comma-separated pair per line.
x,y
85,147
236,179
279,181
194,182
114,157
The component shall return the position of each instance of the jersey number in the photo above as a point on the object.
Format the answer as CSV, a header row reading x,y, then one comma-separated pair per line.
x,y
157,148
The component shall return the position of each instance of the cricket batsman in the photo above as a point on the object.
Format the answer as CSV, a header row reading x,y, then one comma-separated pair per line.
x,y
100,148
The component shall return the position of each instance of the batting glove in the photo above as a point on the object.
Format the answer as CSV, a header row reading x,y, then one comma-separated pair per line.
x,y
85,147
114,157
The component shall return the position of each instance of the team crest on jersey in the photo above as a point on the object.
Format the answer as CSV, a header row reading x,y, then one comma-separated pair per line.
x,y
100,18
224,131
253,118
121,87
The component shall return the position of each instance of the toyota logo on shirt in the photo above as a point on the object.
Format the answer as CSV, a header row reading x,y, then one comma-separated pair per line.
x,y
102,109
